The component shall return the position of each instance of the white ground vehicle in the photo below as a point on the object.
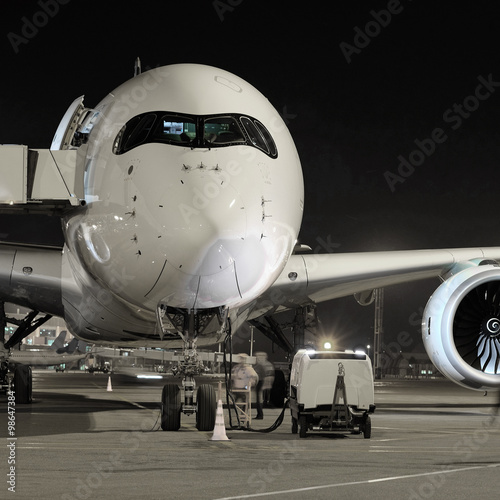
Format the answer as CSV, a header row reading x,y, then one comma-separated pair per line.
x,y
331,391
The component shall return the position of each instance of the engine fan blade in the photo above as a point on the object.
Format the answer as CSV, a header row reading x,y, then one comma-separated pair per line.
x,y
476,327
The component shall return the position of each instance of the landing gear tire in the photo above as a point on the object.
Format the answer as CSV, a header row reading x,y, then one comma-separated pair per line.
x,y
23,383
367,428
207,408
171,408
303,426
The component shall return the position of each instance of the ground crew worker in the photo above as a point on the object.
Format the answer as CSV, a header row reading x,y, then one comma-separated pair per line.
x,y
265,371
243,375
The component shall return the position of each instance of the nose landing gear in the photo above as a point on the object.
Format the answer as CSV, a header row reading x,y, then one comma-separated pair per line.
x,y
205,405
189,365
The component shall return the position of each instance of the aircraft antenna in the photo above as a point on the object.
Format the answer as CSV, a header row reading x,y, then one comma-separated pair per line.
x,y
137,67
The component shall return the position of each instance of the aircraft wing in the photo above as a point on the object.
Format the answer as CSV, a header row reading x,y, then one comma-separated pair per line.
x,y
312,278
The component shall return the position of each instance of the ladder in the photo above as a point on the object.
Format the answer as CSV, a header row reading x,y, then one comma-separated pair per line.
x,y
244,408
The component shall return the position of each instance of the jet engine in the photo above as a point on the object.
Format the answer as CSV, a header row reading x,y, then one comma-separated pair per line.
x,y
461,326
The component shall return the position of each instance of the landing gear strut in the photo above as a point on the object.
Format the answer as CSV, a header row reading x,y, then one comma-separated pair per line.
x,y
17,377
188,367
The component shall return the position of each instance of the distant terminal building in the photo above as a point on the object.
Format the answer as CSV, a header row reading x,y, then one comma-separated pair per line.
x,y
44,335
409,365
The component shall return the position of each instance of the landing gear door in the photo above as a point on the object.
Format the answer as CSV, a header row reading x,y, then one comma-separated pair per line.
x,y
68,125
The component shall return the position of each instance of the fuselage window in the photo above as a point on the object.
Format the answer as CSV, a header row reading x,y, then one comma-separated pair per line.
x,y
194,131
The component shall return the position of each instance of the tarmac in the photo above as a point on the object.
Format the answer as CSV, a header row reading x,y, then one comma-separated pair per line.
x,y
77,440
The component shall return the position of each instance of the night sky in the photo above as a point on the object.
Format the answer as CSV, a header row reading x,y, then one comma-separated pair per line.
x,y
393,106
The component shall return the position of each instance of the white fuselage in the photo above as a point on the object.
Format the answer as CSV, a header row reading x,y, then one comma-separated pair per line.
x,y
191,226
43,357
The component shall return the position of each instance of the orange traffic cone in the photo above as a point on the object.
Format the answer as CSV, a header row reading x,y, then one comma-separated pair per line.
x,y
109,389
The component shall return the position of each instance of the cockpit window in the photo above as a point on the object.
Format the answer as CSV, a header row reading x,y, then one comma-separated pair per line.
x,y
174,129
267,138
134,133
254,134
222,130
212,131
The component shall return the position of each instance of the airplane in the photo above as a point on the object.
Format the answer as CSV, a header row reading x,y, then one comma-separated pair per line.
x,y
181,198
125,361
55,346
53,356
59,343
16,366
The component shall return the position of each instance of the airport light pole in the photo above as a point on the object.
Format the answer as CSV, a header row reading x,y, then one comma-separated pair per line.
x,y
377,331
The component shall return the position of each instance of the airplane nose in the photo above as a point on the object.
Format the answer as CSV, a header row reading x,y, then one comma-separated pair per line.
x,y
205,223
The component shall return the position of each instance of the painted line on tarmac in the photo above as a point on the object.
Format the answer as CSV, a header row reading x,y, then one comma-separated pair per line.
x,y
356,483
117,396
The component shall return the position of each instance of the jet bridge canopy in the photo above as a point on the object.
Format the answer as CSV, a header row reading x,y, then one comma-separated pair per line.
x,y
39,180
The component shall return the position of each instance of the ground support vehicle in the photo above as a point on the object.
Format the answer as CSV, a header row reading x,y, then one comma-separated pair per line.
x,y
331,392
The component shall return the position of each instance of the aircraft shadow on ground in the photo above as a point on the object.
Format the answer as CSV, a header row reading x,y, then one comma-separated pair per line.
x,y
51,413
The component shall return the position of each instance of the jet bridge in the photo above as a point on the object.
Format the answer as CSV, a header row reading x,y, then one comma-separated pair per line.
x,y
40,180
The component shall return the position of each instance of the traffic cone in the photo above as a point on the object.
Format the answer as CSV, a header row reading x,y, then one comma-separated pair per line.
x,y
220,427
109,389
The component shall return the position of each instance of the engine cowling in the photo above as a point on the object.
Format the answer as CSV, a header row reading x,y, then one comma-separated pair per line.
x,y
461,327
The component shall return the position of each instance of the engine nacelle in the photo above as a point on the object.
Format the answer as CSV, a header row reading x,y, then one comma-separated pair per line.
x,y
461,327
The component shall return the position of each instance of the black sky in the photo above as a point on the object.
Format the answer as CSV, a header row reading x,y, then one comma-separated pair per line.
x,y
350,120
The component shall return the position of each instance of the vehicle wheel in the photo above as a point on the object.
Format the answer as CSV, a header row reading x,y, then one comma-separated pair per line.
x,y
303,426
207,408
295,425
171,408
367,428
23,382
